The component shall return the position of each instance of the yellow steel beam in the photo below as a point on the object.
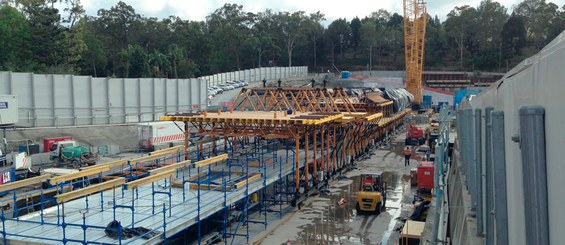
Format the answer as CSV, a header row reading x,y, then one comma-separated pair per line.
x,y
108,164
168,150
147,180
23,183
250,179
175,166
211,160
374,116
386,103
77,175
90,190
149,158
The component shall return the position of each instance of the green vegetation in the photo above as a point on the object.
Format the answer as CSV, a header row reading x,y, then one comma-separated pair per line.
x,y
118,42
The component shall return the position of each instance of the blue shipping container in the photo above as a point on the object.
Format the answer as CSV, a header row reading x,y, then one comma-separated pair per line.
x,y
345,74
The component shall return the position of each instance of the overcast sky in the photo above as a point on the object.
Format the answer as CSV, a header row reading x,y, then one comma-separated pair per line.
x,y
198,9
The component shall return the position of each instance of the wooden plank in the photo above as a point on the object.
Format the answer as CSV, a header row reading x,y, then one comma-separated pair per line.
x,y
175,166
168,150
77,175
147,180
90,190
149,158
412,229
250,179
33,194
23,183
211,160
108,164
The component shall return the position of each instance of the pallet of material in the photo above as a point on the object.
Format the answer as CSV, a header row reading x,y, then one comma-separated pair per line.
x,y
412,229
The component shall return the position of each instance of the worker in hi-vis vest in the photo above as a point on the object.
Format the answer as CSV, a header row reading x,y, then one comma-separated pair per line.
x,y
407,153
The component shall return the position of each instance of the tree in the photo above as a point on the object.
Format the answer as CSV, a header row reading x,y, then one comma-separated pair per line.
x,y
491,17
369,37
15,42
539,17
229,29
355,34
339,34
513,37
314,30
394,43
263,37
460,27
292,27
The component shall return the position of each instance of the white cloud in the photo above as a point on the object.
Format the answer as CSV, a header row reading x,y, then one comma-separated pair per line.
x,y
199,9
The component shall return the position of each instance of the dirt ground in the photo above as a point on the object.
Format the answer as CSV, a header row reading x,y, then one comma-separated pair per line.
x,y
323,221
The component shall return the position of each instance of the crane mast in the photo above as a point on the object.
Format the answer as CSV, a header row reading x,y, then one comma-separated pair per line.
x,y
415,19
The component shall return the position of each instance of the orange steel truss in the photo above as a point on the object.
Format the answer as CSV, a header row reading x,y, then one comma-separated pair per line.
x,y
339,127
295,98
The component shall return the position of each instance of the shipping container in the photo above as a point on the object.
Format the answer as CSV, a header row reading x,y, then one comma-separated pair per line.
x,y
48,142
152,134
8,109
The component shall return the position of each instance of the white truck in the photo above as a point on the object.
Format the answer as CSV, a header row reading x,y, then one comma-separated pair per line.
x,y
154,134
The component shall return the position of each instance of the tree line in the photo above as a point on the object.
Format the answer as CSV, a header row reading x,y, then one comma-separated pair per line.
x,y
43,37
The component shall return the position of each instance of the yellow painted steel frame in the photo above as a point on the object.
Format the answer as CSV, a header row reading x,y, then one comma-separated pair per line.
x,y
415,19
80,174
90,190
24,183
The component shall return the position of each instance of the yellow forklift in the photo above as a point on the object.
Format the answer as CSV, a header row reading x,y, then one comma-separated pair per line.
x,y
372,195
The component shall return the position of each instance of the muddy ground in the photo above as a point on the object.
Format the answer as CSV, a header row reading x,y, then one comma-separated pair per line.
x,y
323,221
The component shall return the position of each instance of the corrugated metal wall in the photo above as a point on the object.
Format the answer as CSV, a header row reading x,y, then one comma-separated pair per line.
x,y
68,100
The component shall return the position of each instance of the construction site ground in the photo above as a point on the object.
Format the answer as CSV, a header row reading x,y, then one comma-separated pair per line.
x,y
322,221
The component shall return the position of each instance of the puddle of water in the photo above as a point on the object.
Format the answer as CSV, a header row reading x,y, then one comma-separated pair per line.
x,y
330,223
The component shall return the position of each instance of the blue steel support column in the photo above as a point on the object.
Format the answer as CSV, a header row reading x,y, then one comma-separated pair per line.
x,y
489,219
499,169
532,144
226,211
198,207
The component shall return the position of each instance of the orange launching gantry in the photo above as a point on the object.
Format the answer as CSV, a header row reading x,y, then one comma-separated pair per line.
x,y
325,126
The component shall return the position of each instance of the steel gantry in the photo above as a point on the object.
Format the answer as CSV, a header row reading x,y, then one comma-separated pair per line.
x,y
322,125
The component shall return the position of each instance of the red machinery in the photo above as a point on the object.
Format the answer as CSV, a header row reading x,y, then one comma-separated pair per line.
x,y
48,142
426,176
415,136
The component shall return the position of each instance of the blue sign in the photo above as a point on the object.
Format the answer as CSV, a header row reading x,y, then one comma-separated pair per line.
x,y
4,105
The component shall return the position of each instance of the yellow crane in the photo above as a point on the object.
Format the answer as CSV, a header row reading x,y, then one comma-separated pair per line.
x,y
415,18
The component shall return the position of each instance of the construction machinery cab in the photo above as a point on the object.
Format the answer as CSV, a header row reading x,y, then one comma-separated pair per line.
x,y
415,136
372,195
